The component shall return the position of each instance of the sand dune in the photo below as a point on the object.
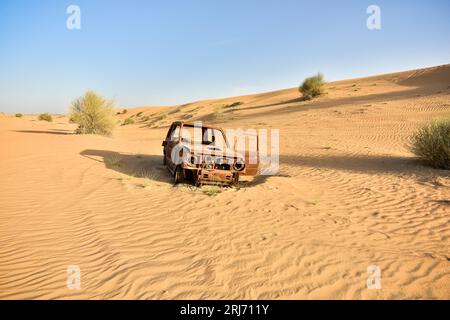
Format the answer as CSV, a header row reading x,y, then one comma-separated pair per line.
x,y
348,195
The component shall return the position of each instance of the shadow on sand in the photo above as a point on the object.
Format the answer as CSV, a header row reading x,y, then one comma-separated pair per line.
x,y
145,166
133,165
51,131
383,164
151,167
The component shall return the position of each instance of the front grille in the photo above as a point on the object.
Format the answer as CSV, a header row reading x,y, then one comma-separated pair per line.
x,y
212,162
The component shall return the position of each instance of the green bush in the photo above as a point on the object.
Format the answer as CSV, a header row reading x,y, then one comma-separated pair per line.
x,y
93,114
128,121
312,86
45,117
19,115
432,143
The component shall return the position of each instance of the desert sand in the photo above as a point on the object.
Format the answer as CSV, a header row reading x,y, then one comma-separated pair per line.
x,y
348,194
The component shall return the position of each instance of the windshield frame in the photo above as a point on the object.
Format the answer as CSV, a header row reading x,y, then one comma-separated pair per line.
x,y
204,128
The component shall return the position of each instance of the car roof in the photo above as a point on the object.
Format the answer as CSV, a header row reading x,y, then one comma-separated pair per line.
x,y
186,123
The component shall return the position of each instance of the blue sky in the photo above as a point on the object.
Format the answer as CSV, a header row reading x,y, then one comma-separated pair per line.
x,y
169,52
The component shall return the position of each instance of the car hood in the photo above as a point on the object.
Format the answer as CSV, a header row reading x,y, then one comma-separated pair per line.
x,y
212,150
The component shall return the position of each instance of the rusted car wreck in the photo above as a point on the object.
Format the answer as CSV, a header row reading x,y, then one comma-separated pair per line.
x,y
203,155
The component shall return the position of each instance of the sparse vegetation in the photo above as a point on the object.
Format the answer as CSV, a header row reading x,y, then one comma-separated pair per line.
x,y
45,117
187,116
93,114
128,121
219,112
18,115
312,86
113,160
154,122
71,119
148,177
432,143
176,110
211,191
234,104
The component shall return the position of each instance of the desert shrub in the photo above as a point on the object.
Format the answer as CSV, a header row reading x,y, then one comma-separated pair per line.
x,y
432,143
128,121
19,115
211,190
234,104
114,160
45,117
312,86
93,114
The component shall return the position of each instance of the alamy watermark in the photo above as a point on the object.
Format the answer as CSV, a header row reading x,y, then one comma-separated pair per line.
x,y
374,20
374,280
73,21
73,281
237,147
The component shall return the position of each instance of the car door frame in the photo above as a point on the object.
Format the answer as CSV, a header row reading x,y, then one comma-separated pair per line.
x,y
169,144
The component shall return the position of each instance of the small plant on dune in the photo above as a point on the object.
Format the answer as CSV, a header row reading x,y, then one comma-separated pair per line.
x,y
432,143
93,114
234,104
128,121
18,115
148,176
114,160
211,191
312,87
45,117
155,122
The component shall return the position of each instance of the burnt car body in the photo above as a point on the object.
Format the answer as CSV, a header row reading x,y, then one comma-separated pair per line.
x,y
202,154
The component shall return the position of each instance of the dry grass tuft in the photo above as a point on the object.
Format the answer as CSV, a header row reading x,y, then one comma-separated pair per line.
x,y
211,191
114,160
432,143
